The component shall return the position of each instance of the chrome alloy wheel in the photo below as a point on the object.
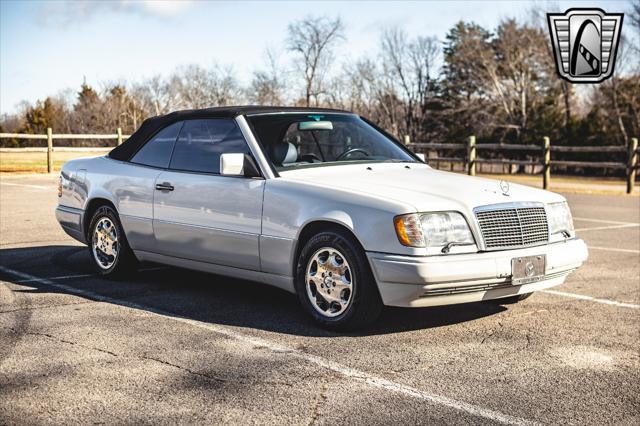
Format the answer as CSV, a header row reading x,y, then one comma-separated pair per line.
x,y
329,282
104,243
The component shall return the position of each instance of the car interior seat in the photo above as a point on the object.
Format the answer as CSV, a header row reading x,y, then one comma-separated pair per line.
x,y
283,153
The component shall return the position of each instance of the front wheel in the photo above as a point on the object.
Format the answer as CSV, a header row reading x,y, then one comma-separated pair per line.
x,y
334,282
108,247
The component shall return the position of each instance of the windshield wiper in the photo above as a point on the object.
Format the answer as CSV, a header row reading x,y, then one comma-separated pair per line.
x,y
395,160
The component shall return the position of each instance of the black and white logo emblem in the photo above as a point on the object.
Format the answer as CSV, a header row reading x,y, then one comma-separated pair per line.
x,y
529,269
585,42
504,187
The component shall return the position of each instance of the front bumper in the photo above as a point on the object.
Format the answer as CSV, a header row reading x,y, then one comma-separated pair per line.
x,y
459,278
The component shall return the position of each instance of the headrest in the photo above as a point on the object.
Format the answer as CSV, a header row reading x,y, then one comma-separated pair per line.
x,y
284,153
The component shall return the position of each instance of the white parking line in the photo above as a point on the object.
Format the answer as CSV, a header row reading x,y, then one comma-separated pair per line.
x,y
592,299
61,277
585,219
614,249
27,185
66,277
598,228
369,379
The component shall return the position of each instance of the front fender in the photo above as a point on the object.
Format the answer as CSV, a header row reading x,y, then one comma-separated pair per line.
x,y
290,205
338,217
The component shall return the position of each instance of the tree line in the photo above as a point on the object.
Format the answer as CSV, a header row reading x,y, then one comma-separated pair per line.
x,y
499,84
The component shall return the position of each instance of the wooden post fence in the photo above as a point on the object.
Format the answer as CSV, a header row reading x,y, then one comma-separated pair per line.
x,y
632,164
49,150
471,155
546,157
469,161
49,136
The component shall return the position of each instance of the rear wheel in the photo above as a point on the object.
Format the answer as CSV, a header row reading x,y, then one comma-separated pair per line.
x,y
335,284
108,247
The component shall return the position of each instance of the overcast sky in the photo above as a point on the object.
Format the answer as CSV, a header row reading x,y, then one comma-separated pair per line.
x,y
48,46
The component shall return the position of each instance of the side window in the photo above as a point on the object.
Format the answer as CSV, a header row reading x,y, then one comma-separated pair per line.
x,y
201,142
157,151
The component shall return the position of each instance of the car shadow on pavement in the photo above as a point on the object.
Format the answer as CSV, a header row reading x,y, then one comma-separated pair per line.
x,y
205,297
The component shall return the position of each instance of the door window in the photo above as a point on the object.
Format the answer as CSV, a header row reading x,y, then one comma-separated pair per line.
x,y
157,151
201,142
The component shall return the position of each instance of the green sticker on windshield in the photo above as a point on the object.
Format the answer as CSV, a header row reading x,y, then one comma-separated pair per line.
x,y
316,117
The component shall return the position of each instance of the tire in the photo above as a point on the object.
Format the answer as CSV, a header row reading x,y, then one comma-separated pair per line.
x,y
112,258
511,300
338,252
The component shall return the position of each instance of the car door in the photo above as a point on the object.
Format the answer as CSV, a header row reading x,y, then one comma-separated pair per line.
x,y
200,214
133,182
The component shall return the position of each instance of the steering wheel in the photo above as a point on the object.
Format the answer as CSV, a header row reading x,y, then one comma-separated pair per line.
x,y
351,151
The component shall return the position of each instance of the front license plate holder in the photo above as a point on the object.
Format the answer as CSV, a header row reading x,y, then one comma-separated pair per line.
x,y
528,269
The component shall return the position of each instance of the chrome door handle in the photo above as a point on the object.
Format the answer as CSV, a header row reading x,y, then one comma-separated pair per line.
x,y
164,186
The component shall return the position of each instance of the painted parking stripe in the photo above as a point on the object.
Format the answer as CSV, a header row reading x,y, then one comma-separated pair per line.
x,y
61,277
599,228
615,222
358,375
592,299
67,277
27,185
614,249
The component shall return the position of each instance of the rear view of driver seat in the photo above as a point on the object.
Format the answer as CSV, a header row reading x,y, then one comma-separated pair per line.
x,y
283,153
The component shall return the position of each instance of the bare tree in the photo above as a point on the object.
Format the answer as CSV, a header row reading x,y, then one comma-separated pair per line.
x,y
313,39
372,93
410,64
156,96
613,89
362,79
510,74
198,87
267,86
634,17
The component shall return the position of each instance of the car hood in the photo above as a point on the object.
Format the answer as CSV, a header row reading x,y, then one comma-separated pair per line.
x,y
419,185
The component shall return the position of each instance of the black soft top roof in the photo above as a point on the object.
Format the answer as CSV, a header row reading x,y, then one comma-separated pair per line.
x,y
152,125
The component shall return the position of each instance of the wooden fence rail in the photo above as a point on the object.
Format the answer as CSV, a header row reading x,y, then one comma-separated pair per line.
x,y
470,160
544,150
49,137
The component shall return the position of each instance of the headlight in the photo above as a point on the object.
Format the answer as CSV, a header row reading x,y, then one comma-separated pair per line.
x,y
559,218
443,229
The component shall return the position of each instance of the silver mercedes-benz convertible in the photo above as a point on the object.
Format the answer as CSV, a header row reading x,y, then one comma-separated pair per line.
x,y
318,202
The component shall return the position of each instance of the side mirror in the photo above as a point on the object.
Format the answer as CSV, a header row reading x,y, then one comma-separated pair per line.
x,y
421,157
232,164
236,164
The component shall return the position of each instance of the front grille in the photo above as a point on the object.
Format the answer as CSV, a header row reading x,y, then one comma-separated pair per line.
x,y
513,227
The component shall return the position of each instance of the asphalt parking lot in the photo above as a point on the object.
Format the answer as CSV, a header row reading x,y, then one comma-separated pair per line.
x,y
174,346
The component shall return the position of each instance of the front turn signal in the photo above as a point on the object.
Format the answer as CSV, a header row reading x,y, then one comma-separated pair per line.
x,y
409,230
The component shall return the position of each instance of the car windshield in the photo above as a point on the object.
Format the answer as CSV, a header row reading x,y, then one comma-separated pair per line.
x,y
309,140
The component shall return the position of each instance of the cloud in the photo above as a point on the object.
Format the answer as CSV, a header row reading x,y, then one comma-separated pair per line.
x,y
80,11
162,8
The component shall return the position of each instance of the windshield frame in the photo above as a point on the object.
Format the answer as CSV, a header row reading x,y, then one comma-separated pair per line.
x,y
276,170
